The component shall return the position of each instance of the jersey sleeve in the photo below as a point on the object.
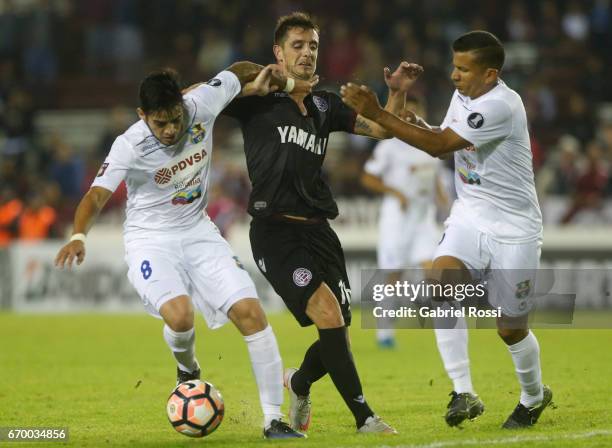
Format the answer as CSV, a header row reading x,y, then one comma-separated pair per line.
x,y
342,117
487,122
378,163
217,93
240,108
114,169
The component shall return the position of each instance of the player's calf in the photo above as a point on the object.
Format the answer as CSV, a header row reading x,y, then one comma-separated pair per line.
x,y
179,334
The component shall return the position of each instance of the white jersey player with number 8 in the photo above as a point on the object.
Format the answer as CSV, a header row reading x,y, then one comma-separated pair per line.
x,y
176,256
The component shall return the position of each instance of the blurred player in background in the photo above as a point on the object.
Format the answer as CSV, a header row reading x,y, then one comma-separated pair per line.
x,y
407,233
495,223
285,141
176,256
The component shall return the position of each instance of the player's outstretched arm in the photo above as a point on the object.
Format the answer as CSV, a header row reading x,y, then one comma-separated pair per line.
x,y
254,77
376,185
271,79
87,211
248,71
399,82
436,144
410,117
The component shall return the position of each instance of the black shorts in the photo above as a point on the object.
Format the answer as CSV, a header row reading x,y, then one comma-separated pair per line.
x,y
296,258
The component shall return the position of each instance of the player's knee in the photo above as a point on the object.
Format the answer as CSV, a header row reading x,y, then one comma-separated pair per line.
x,y
512,336
323,308
182,320
448,270
178,313
328,318
248,315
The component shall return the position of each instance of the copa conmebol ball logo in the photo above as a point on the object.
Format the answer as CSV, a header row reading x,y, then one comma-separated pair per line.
x,y
163,176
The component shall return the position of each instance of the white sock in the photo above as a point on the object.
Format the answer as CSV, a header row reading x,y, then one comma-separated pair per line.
x,y
268,370
182,345
526,358
453,348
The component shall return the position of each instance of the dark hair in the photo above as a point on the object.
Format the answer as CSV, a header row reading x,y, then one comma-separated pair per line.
x,y
160,90
293,20
486,46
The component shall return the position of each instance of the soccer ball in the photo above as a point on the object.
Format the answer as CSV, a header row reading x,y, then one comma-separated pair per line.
x,y
195,408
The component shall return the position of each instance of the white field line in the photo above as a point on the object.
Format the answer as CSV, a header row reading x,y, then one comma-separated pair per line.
x,y
505,440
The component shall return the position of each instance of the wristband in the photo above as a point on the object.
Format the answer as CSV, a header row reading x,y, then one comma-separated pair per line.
x,y
290,85
78,237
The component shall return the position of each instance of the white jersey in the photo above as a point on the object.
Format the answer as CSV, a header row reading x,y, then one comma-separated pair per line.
x,y
406,237
494,177
167,185
410,171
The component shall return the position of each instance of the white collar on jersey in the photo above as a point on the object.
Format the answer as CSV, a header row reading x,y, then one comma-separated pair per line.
x,y
467,100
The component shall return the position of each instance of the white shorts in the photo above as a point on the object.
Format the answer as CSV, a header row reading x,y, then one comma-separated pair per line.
x,y
417,245
196,262
406,243
509,269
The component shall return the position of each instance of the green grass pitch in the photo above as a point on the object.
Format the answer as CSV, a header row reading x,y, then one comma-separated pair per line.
x,y
107,378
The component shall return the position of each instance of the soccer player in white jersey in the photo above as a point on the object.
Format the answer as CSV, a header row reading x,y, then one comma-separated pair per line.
x,y
407,233
176,256
496,221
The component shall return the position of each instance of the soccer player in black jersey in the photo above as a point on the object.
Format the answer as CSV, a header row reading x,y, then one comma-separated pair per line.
x,y
285,141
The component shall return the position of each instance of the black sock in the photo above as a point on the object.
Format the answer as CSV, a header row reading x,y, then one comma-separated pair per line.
x,y
311,370
338,362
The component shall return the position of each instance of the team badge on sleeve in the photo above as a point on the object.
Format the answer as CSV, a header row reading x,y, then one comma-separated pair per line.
x,y
475,120
102,169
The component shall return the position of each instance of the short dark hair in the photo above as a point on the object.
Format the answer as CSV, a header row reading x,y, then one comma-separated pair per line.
x,y
293,20
487,47
160,90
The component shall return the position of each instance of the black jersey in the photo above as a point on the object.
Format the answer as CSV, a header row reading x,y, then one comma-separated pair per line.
x,y
285,151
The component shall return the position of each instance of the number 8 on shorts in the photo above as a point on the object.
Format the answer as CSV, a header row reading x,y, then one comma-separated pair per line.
x,y
146,269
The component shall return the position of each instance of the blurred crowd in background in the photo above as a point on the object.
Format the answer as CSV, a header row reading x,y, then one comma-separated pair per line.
x,y
90,54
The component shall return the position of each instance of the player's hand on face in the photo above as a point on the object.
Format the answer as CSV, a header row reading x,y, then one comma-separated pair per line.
x,y
362,99
277,77
404,76
261,84
302,86
71,251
